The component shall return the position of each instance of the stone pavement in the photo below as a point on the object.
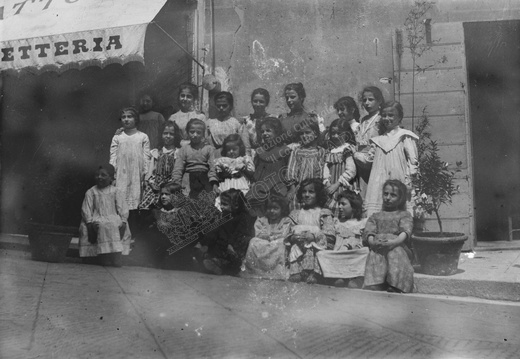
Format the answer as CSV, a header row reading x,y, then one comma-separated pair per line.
x,y
491,272
71,310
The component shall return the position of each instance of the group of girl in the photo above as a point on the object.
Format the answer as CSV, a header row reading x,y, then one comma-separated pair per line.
x,y
296,194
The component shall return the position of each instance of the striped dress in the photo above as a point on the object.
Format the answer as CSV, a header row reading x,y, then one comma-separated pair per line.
x,y
162,169
305,163
339,167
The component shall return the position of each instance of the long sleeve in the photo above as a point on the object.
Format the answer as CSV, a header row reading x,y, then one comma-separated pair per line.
x,y
121,206
292,168
212,174
146,154
114,146
410,150
349,173
179,165
87,208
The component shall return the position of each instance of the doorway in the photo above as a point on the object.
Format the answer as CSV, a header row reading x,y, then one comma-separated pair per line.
x,y
493,67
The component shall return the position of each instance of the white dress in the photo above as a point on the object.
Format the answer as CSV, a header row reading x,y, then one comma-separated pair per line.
x,y
106,208
130,155
394,157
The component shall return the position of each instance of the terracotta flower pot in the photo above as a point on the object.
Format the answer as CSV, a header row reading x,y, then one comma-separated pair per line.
x,y
438,255
50,243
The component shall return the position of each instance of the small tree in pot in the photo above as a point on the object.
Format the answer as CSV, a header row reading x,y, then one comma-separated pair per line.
x,y
437,252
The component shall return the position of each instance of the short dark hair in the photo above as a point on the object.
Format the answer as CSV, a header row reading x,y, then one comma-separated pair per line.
x,y
227,95
195,121
345,132
171,187
233,138
319,187
237,200
310,122
263,92
356,202
107,167
132,110
273,123
401,188
296,87
281,201
350,104
193,89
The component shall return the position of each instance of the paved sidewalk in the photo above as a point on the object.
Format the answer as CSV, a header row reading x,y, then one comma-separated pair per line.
x,y
491,272
70,310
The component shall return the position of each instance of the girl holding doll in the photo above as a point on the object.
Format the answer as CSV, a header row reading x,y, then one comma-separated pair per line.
x,y
187,99
224,125
393,155
270,162
259,100
346,261
372,100
313,231
306,161
234,169
160,169
130,156
104,230
388,234
265,257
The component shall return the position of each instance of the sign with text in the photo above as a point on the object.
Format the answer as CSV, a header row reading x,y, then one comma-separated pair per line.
x,y
39,33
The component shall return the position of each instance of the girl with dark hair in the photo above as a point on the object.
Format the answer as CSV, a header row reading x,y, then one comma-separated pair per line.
x,y
313,231
130,156
227,244
160,169
234,169
295,95
104,230
306,161
340,170
372,100
388,234
265,257
224,125
187,99
150,122
348,112
270,166
346,262
393,156
259,100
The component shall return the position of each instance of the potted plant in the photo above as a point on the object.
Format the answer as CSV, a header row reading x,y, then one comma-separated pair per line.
x,y
437,252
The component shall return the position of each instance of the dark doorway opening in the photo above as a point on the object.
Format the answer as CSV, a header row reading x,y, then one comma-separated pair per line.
x,y
493,65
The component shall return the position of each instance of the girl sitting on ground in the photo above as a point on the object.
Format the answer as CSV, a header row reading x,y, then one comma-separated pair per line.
x,y
313,231
346,262
227,244
265,257
388,234
104,230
